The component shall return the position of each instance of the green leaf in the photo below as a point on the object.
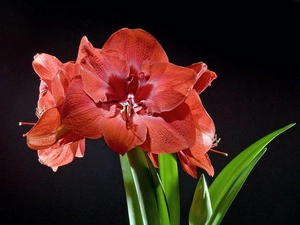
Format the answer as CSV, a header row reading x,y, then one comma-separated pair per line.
x,y
168,171
201,210
231,192
145,197
227,184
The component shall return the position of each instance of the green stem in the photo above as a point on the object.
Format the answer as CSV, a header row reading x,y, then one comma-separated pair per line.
x,y
133,206
140,188
168,171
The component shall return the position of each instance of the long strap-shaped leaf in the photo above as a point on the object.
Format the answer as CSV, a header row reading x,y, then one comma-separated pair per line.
x,y
231,193
162,202
227,184
145,197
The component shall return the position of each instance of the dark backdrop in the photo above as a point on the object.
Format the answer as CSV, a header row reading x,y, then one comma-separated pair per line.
x,y
254,49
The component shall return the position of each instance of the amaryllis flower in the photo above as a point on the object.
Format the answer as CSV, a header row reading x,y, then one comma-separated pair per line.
x,y
130,94
56,145
196,156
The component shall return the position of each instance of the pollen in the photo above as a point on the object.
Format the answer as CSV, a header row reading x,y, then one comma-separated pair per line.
x,y
126,109
39,112
215,143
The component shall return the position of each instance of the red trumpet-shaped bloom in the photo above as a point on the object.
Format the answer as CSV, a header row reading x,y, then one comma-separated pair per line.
x,y
56,145
130,94
196,156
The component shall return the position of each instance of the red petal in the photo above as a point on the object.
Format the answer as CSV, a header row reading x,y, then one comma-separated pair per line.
x,y
100,71
70,69
63,151
166,88
80,149
205,128
137,46
55,157
81,114
46,131
67,138
121,137
170,132
205,132
202,144
46,66
187,165
203,161
202,119
46,100
59,85
81,51
204,76
153,158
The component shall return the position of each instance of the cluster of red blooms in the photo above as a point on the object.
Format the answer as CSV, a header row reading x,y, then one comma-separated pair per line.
x,y
127,92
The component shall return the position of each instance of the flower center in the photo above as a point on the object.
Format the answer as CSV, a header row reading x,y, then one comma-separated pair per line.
x,y
129,107
126,109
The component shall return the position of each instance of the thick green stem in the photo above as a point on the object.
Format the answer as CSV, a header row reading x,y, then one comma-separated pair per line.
x,y
168,171
146,201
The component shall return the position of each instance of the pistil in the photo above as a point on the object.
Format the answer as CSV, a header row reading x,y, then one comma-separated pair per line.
x,y
26,123
219,152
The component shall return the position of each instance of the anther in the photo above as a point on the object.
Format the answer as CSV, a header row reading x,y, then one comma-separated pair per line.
x,y
215,143
126,109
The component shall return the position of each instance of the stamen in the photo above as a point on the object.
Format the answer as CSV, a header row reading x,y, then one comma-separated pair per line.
x,y
126,109
219,152
216,141
39,112
26,123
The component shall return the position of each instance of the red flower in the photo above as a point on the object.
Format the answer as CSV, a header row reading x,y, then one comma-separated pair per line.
x,y
131,94
56,144
196,156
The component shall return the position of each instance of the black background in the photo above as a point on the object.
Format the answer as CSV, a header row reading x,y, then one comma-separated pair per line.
x,y
252,46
